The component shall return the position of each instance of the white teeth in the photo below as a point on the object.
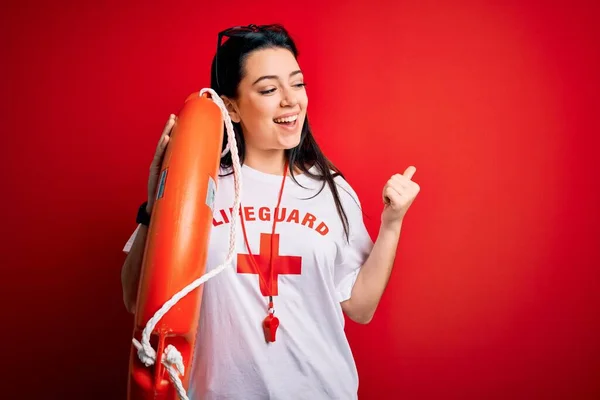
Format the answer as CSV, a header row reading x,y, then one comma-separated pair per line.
x,y
287,119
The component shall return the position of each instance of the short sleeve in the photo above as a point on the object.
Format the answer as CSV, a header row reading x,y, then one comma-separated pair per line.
x,y
355,251
129,243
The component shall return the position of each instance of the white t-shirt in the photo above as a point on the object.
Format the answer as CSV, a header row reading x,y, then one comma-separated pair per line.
x,y
311,358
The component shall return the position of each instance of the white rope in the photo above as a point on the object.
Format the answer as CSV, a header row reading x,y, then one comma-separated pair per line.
x,y
172,359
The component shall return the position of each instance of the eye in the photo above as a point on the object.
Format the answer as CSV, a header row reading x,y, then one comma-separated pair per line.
x,y
268,91
300,85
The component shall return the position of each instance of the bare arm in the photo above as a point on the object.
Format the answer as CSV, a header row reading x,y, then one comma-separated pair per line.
x,y
373,277
398,194
130,272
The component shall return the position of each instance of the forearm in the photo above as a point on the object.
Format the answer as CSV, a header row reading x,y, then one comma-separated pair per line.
x,y
374,275
130,272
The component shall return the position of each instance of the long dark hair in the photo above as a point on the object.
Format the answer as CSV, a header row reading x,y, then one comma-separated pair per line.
x,y
226,73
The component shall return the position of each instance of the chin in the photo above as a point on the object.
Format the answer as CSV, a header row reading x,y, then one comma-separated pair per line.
x,y
290,142
288,137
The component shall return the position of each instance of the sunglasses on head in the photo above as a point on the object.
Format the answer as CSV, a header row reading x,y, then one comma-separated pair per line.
x,y
241,31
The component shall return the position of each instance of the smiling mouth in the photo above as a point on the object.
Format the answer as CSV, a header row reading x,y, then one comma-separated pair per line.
x,y
287,121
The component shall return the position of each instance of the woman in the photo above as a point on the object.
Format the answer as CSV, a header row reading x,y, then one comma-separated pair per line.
x,y
324,261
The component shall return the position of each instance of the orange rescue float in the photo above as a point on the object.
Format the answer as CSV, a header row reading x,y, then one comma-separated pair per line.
x,y
177,244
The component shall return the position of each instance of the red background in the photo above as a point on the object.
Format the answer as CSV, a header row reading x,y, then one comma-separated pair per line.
x,y
495,291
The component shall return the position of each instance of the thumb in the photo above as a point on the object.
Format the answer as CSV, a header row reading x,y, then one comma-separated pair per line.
x,y
410,171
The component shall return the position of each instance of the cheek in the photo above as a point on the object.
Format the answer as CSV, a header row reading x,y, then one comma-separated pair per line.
x,y
261,111
303,100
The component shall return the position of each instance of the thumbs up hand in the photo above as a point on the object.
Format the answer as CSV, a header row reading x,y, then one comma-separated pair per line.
x,y
398,194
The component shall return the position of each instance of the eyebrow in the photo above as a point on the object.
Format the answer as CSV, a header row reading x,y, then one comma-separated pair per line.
x,y
262,78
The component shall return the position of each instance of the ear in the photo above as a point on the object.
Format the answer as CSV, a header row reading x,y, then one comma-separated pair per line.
x,y
232,108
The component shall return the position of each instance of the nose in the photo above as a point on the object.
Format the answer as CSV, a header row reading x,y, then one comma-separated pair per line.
x,y
288,98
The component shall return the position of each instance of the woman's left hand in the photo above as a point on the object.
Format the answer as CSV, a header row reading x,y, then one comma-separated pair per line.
x,y
398,194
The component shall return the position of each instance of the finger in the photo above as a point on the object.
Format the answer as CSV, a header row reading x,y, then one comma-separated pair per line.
x,y
400,181
397,182
166,130
405,184
169,124
386,194
163,141
410,171
160,150
391,195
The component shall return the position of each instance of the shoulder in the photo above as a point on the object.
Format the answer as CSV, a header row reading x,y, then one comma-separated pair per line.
x,y
349,198
344,189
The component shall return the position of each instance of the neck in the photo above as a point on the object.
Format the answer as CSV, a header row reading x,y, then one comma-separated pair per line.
x,y
269,162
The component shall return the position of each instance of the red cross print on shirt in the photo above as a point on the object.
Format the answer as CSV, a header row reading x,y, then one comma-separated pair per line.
x,y
281,264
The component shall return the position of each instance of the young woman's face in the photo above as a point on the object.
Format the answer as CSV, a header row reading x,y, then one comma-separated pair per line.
x,y
272,100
